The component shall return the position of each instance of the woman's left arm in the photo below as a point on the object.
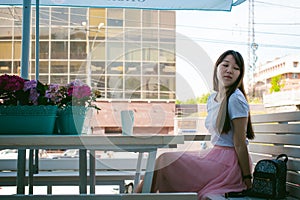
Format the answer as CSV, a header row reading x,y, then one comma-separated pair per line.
x,y
239,138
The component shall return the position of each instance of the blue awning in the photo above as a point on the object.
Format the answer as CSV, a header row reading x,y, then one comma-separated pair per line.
x,y
212,5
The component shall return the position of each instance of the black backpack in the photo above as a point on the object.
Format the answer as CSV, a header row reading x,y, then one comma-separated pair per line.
x,y
269,178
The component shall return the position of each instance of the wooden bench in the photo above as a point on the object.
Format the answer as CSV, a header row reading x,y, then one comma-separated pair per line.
x,y
277,133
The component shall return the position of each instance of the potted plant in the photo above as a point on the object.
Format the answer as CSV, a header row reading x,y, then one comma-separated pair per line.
x,y
26,106
77,100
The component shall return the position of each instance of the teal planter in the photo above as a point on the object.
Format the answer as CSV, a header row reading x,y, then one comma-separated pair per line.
x,y
70,120
20,120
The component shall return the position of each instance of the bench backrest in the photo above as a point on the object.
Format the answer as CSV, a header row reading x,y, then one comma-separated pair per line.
x,y
278,133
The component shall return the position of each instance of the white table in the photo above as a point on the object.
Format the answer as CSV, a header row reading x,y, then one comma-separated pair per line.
x,y
136,143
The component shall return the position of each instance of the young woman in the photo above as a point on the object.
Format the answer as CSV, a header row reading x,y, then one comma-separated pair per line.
x,y
225,167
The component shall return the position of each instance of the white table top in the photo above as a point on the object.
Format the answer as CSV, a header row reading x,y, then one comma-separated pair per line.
x,y
98,142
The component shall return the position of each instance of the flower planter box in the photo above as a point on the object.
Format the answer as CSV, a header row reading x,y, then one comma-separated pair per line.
x,y
27,119
70,120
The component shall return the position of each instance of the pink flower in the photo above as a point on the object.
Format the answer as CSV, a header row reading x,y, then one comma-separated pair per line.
x,y
81,91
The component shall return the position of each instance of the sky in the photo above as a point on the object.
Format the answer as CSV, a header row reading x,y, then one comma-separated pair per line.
x,y
276,31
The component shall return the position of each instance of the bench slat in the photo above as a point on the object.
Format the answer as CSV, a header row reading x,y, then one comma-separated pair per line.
x,y
277,128
293,191
292,164
274,150
276,117
287,139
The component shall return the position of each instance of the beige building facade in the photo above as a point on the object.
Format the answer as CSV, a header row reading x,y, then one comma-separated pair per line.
x,y
127,54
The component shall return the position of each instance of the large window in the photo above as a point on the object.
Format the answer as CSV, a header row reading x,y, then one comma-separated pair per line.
x,y
129,53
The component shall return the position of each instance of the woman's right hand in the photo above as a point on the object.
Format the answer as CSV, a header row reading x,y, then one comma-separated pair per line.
x,y
248,183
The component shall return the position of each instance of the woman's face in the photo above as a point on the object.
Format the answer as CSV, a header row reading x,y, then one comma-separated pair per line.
x,y
228,72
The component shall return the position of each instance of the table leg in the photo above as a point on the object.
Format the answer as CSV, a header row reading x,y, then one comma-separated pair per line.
x,y
21,171
137,177
92,172
149,172
30,174
82,171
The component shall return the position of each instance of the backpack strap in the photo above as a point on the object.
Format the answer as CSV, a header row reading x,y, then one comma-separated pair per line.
x,y
281,156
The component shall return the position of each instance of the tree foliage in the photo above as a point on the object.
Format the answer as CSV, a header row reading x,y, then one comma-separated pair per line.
x,y
276,84
199,100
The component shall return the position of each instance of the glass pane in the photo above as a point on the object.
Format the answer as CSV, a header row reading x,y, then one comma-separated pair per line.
x,y
167,69
5,67
44,50
43,67
149,68
150,35
115,68
44,79
134,35
133,68
17,50
82,77
100,83
77,33
77,67
167,52
133,51
6,33
132,83
150,83
77,16
167,36
44,33
167,19
114,51
17,33
150,51
78,50
59,16
167,95
167,84
44,16
32,67
150,18
98,50
59,33
115,83
133,95
97,16
7,45
114,17
98,67
133,18
6,16
115,34
59,67
115,95
59,50
59,79
17,67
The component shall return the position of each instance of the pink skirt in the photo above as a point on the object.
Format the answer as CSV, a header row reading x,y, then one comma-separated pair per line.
x,y
211,171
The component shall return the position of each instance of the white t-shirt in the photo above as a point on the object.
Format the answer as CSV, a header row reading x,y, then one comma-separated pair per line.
x,y
237,107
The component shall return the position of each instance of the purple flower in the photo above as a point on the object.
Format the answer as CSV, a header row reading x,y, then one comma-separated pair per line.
x,y
30,85
53,93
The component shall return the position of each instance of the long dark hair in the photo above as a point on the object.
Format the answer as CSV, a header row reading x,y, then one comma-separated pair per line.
x,y
225,127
